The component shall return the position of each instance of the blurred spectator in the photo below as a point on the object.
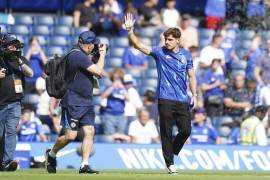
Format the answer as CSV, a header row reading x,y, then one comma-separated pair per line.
x,y
212,86
201,132
255,13
195,57
253,130
149,15
215,11
116,95
110,18
143,130
30,127
266,20
134,102
170,15
55,113
85,14
229,43
211,52
262,68
253,91
150,104
254,53
237,100
189,34
37,59
134,59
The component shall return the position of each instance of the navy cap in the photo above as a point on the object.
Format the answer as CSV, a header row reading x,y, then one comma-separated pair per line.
x,y
88,37
200,110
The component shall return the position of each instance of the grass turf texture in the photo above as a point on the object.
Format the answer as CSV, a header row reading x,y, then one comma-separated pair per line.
x,y
41,174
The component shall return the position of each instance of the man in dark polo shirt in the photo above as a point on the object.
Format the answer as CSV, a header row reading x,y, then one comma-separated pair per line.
x,y
77,105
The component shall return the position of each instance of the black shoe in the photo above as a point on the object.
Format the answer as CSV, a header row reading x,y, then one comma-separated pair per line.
x,y
50,162
87,170
10,166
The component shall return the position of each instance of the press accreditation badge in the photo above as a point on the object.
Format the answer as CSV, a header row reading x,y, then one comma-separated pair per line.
x,y
18,85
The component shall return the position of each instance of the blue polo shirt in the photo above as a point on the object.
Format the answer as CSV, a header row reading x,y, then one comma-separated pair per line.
x,y
204,134
80,90
116,102
133,57
172,71
210,78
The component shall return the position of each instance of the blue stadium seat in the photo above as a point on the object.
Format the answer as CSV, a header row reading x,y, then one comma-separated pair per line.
x,y
74,40
43,40
151,62
117,52
59,41
134,72
119,42
24,20
52,50
114,62
96,100
78,31
247,34
41,30
206,33
62,30
238,72
239,65
64,21
149,32
22,38
245,44
232,34
150,82
151,73
204,42
4,28
19,29
44,20
104,40
146,41
265,34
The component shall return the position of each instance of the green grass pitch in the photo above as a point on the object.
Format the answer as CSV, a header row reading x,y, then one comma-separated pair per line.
x,y
41,174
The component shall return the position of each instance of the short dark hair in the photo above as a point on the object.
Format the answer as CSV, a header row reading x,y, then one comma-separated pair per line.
x,y
150,95
217,35
175,32
193,49
261,109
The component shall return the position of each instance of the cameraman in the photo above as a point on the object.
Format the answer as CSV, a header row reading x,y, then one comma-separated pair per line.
x,y
12,72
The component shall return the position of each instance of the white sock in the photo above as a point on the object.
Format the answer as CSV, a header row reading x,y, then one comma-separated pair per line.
x,y
52,154
84,163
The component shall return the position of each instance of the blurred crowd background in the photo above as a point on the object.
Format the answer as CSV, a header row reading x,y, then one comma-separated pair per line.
x,y
229,42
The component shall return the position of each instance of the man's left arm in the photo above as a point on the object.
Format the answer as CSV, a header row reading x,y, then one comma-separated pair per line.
x,y
192,85
26,70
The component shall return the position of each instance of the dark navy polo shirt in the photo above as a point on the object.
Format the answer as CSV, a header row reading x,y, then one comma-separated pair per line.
x,y
80,90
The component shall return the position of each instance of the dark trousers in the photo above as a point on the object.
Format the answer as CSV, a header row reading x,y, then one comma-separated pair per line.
x,y
170,113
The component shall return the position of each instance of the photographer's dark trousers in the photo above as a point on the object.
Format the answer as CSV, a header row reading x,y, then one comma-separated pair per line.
x,y
170,113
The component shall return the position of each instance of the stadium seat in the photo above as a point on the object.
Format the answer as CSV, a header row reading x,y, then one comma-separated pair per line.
x,y
96,100
117,52
265,35
206,33
52,50
134,72
64,21
114,62
62,30
32,99
104,40
19,29
204,42
149,32
150,82
22,39
74,40
41,30
146,41
43,40
59,41
24,20
78,31
231,34
238,72
239,65
4,28
151,62
247,34
245,44
151,73
44,20
119,42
